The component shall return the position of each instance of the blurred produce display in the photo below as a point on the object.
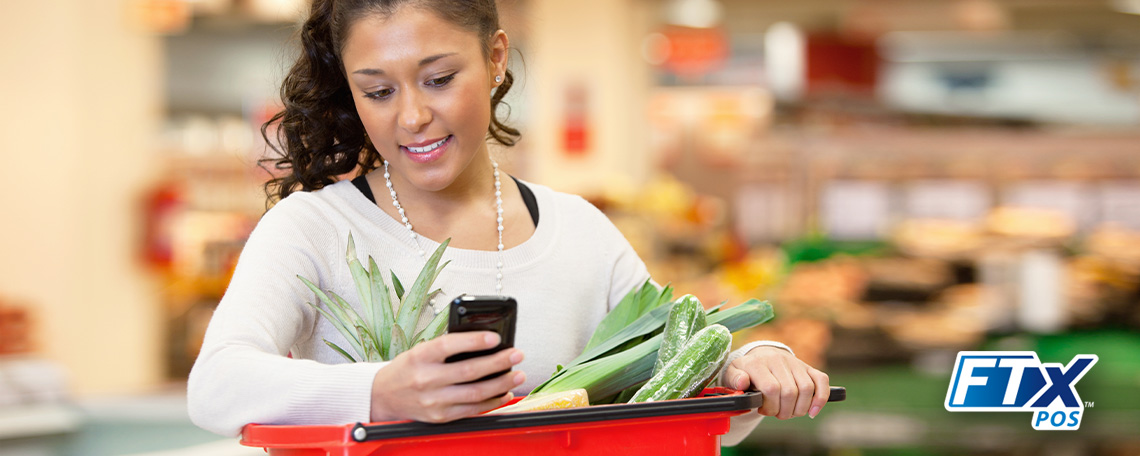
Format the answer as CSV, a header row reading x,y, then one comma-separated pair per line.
x,y
885,315
926,284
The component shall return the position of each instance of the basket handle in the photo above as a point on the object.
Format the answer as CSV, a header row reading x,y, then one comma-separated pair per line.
x,y
838,393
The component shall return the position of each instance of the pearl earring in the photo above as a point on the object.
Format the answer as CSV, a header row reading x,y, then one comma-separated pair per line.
x,y
498,79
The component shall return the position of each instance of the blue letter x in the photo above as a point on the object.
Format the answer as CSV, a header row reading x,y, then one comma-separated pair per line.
x,y
1063,382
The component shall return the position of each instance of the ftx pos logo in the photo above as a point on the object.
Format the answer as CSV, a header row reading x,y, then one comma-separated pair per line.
x,y
1009,381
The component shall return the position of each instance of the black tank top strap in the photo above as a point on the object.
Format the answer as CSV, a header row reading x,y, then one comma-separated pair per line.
x,y
362,184
527,195
529,200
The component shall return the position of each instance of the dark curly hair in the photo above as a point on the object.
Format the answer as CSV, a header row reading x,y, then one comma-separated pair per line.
x,y
319,134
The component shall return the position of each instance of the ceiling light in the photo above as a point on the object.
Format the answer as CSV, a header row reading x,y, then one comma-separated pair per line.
x,y
694,13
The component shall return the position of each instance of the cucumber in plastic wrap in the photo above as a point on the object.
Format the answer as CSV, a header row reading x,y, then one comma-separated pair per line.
x,y
687,373
685,318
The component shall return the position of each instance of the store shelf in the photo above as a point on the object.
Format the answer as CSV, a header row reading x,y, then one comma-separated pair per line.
x,y
23,421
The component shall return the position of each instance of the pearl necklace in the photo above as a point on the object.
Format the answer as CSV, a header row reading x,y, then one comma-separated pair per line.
x,y
498,220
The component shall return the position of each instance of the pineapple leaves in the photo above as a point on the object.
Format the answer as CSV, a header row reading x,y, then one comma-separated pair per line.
x,y
341,328
359,276
341,351
383,317
335,312
416,297
436,327
399,287
350,315
399,340
371,350
428,310
375,329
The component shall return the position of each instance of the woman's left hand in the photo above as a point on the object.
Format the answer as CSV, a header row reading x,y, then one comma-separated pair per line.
x,y
791,387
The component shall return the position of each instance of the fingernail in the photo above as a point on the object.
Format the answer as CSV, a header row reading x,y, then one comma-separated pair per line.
x,y
507,397
520,378
813,412
516,357
491,338
739,382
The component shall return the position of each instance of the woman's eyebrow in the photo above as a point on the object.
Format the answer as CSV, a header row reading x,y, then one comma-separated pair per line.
x,y
424,61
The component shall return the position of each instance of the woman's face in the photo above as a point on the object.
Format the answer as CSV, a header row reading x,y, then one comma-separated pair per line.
x,y
422,89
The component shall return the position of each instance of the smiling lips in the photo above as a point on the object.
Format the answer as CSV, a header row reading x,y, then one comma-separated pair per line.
x,y
428,152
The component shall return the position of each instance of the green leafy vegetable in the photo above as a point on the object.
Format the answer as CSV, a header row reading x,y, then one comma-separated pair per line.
x,y
381,331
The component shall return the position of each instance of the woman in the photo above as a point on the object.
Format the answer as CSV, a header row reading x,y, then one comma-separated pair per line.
x,y
407,90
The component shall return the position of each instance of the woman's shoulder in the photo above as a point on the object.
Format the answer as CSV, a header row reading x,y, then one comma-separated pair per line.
x,y
570,208
299,204
307,210
562,202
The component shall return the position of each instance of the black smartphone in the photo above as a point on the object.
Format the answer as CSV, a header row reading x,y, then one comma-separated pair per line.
x,y
483,313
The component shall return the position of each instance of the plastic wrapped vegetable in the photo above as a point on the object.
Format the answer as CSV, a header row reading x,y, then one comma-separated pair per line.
x,y
685,318
687,373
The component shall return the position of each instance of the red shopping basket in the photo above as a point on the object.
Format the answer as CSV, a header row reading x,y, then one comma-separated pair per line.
x,y
681,427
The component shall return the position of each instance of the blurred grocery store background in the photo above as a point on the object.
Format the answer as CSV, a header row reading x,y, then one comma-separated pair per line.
x,y
904,179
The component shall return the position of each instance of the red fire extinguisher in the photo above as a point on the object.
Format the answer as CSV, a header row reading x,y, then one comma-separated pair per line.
x,y
161,208
575,123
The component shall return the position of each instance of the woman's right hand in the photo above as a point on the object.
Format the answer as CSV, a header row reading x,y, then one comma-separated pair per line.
x,y
418,385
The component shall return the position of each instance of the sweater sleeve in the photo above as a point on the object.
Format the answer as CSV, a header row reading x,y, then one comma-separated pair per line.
x,y
628,269
242,374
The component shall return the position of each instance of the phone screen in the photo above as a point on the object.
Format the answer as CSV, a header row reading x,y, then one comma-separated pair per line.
x,y
492,320
483,313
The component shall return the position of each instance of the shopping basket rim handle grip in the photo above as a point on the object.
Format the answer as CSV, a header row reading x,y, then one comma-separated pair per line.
x,y
838,393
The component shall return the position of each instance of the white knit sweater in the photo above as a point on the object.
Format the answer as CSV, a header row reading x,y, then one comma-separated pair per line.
x,y
574,268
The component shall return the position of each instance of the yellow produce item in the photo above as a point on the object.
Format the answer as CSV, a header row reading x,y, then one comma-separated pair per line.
x,y
549,401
